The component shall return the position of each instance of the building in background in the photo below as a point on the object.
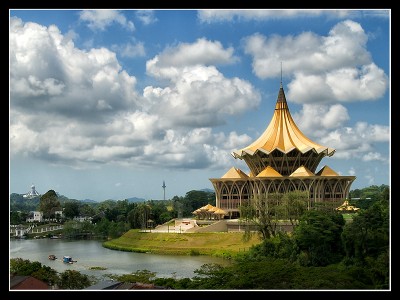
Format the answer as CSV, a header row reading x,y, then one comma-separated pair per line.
x,y
32,193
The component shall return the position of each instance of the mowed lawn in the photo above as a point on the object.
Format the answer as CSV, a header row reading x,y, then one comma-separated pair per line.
x,y
214,243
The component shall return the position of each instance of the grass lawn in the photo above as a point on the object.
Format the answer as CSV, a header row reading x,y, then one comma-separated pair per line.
x,y
222,244
348,217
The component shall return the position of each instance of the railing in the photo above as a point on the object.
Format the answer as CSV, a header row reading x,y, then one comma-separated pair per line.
x,y
46,229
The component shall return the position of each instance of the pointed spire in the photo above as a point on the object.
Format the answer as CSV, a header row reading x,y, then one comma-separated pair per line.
x,y
281,101
281,96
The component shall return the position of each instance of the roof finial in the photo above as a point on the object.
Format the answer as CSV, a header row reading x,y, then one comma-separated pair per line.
x,y
281,74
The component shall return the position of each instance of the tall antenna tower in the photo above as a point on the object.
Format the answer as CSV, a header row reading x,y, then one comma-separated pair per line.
x,y
164,186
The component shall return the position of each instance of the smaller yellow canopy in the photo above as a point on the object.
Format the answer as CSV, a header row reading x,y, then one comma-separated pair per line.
x,y
347,207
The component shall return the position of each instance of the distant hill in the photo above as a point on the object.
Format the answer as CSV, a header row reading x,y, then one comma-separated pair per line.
x,y
135,199
88,201
207,190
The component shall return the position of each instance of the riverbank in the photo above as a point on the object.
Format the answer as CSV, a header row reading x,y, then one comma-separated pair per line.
x,y
219,244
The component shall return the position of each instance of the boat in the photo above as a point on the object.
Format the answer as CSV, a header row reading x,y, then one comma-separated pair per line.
x,y
52,257
68,260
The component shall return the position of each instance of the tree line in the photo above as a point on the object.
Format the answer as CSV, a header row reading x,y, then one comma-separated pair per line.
x,y
109,218
323,251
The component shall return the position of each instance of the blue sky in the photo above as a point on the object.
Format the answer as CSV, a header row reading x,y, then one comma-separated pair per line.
x,y
108,104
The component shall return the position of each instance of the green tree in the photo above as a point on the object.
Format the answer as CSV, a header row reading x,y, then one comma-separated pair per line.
x,y
71,209
17,217
25,267
71,229
116,229
318,237
368,233
73,280
86,210
49,203
46,274
102,227
264,212
139,216
296,204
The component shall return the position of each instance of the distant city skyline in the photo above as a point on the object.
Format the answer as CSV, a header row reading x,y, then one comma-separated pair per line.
x,y
109,104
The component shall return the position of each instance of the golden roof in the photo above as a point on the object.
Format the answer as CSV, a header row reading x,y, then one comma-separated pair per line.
x,y
326,171
220,212
235,173
347,207
269,172
282,133
206,207
302,171
209,209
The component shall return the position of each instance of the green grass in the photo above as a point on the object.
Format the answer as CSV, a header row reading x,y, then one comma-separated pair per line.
x,y
349,217
221,244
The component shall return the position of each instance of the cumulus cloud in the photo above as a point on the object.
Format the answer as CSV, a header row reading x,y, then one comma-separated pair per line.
x,y
49,73
80,108
201,96
358,142
201,52
101,19
197,94
325,69
319,119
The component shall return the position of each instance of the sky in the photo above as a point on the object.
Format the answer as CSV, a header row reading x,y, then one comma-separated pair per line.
x,y
109,104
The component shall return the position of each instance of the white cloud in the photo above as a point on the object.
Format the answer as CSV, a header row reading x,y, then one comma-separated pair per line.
x,y
197,95
357,142
48,73
101,19
325,69
318,119
201,52
370,156
344,85
345,46
80,108
223,15
147,17
200,96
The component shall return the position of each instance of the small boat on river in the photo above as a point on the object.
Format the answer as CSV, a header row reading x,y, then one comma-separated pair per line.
x,y
52,257
68,260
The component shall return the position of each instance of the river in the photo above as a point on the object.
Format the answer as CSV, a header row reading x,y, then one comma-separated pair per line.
x,y
90,253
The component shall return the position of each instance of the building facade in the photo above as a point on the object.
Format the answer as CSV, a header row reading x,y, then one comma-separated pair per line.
x,y
281,160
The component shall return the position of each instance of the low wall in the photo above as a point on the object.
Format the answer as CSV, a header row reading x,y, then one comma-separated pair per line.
x,y
216,226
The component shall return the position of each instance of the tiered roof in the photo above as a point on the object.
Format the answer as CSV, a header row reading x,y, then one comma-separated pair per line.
x,y
282,134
